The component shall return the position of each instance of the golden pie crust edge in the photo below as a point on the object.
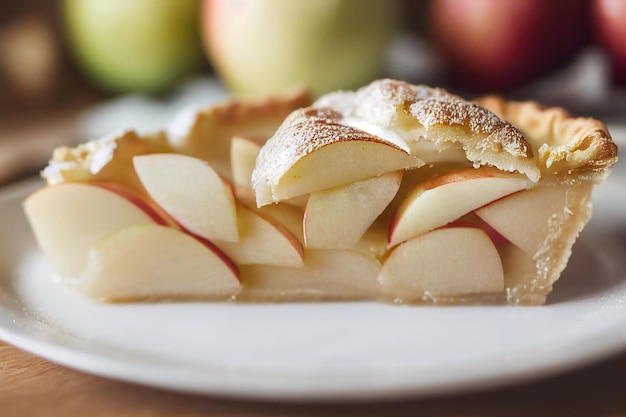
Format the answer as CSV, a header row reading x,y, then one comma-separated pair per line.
x,y
563,144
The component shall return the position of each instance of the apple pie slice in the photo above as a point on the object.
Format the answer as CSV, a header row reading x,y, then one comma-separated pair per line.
x,y
395,192
491,211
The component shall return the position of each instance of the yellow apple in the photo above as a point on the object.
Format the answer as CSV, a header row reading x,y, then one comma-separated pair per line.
x,y
138,45
265,46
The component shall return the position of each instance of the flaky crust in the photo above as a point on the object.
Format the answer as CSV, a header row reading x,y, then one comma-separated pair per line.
x,y
524,137
207,135
107,160
564,145
419,113
204,134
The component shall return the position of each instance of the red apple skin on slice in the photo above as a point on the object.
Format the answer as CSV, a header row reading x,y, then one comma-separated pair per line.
x,y
262,242
326,275
68,219
152,262
444,198
152,209
190,191
286,215
338,217
448,261
472,220
213,247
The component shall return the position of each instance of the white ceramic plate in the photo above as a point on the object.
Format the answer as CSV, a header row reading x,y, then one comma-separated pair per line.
x,y
321,351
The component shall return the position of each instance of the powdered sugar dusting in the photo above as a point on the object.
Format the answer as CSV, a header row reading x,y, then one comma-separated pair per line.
x,y
477,120
303,132
393,109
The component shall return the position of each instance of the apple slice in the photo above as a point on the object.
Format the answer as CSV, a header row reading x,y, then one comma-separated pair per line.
x,y
450,261
446,197
519,268
313,151
262,242
190,191
288,215
152,262
533,219
70,218
326,275
338,217
243,154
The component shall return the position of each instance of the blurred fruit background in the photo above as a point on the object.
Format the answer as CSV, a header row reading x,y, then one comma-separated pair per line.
x,y
72,69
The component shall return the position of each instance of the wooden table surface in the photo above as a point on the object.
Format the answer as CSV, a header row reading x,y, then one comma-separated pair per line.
x,y
30,386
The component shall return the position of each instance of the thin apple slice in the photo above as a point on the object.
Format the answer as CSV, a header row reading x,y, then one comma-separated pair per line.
x,y
326,275
152,262
374,240
534,219
70,218
450,261
444,198
313,151
262,242
288,216
243,154
338,217
190,191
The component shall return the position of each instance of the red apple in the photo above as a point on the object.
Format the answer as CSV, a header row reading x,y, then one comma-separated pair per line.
x,y
500,45
609,26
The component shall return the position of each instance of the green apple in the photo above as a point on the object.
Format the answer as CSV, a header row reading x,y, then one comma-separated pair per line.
x,y
138,45
264,46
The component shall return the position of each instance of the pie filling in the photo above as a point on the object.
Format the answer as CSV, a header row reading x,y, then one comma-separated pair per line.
x,y
395,192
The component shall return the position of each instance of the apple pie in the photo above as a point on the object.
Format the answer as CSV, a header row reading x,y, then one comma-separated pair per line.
x,y
396,192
